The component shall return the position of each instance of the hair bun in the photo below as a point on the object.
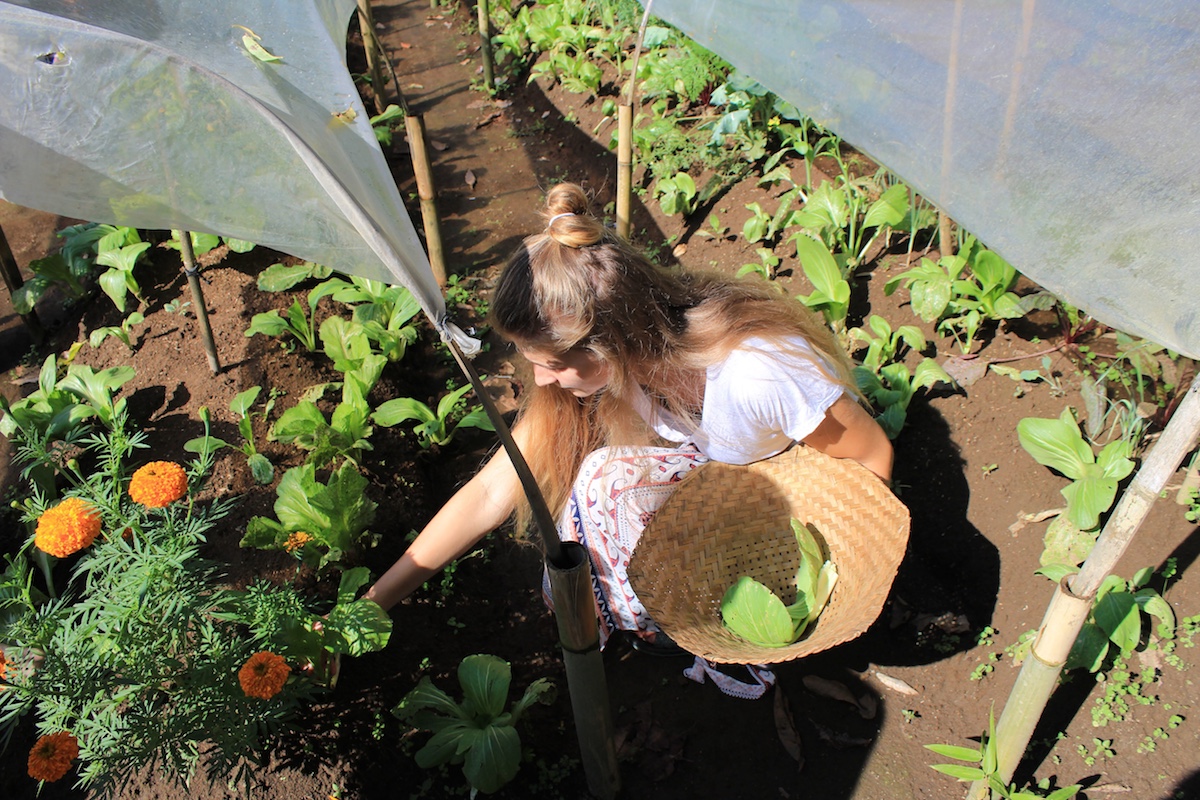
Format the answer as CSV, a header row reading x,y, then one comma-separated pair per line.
x,y
567,219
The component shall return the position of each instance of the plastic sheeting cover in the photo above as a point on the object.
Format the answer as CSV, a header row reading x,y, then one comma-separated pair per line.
x,y
156,115
1064,133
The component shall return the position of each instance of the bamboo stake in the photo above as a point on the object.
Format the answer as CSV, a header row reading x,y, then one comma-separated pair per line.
x,y
366,24
193,276
1062,623
575,614
624,169
625,137
485,45
946,244
14,281
423,172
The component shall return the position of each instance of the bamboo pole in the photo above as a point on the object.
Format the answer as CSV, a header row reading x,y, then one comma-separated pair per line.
x,y
1062,623
14,281
423,172
485,45
193,276
625,137
366,24
575,614
624,168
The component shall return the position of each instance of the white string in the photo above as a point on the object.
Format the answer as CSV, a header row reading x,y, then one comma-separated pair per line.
x,y
559,216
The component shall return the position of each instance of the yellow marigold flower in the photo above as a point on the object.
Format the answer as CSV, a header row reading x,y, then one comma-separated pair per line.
x,y
263,675
158,484
297,540
67,528
51,757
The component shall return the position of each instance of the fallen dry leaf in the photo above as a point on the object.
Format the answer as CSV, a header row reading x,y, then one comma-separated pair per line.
x,y
1024,519
1109,788
829,688
895,684
868,706
487,120
470,179
679,250
840,739
439,146
965,369
785,726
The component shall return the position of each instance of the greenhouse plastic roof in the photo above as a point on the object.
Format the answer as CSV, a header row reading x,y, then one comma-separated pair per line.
x,y
1065,134
157,115
1062,132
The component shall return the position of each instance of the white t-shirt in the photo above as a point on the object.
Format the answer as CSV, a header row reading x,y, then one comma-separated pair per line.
x,y
757,402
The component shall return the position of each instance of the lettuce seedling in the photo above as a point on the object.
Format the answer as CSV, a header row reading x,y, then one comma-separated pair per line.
x,y
751,610
477,733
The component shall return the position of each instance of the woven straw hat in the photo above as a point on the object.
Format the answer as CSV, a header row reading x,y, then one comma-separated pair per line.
x,y
725,521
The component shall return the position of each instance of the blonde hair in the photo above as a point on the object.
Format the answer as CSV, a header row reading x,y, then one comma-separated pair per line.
x,y
578,286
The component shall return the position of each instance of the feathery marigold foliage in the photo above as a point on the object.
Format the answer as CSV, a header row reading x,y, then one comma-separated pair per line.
x,y
263,675
51,757
158,484
67,528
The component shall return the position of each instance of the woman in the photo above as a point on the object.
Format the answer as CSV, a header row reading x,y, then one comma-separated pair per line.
x,y
628,356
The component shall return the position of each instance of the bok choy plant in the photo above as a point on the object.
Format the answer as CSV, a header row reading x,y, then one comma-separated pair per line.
x,y
477,733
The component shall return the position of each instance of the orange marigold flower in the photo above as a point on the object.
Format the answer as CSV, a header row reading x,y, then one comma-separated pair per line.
x,y
297,540
51,757
3,667
263,675
67,528
158,484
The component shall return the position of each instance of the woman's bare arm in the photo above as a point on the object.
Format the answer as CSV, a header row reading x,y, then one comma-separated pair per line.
x,y
848,431
479,507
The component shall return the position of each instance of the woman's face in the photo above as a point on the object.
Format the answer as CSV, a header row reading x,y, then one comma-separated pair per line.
x,y
577,371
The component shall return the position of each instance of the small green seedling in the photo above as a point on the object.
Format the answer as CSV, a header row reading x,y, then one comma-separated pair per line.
x,y
294,321
1059,444
433,428
982,765
477,733
122,331
676,195
884,345
751,610
260,467
767,266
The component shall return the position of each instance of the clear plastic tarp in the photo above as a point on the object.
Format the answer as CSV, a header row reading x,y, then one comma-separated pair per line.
x,y
1064,133
156,114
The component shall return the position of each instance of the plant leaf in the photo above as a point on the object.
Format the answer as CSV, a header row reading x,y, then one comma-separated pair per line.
x,y
493,759
1055,443
755,613
485,681
1118,616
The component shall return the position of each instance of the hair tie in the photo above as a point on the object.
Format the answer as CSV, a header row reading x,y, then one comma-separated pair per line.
x,y
559,216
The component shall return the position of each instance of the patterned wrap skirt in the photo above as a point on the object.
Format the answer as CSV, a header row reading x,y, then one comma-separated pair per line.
x,y
615,495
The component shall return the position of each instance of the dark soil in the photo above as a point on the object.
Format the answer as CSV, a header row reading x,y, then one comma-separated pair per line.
x,y
965,591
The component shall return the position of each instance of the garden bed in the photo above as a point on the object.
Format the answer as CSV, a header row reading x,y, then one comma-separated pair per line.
x,y
965,592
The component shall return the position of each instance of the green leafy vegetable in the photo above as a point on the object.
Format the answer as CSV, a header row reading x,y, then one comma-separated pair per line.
x,y
751,610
